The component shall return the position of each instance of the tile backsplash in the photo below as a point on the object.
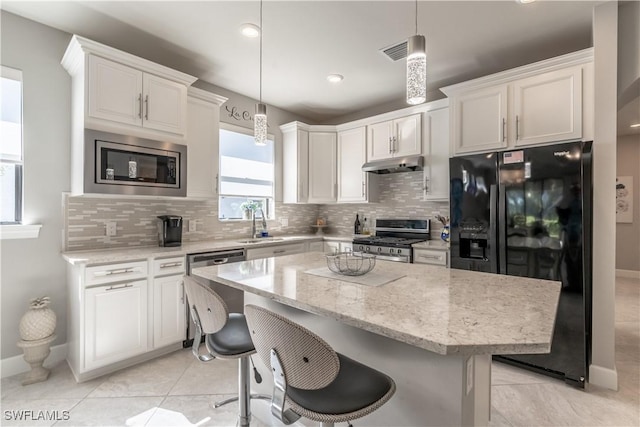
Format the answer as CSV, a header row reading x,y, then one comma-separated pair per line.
x,y
85,217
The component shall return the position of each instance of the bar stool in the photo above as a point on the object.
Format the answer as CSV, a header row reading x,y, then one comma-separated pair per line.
x,y
227,337
309,376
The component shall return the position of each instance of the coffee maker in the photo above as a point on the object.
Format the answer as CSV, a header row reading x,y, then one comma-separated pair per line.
x,y
169,230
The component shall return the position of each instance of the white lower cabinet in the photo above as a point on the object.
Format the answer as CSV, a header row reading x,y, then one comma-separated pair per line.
x,y
271,251
335,246
168,310
428,256
316,246
115,323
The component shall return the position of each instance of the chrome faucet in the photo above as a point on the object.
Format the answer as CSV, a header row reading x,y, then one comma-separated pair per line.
x,y
264,220
253,225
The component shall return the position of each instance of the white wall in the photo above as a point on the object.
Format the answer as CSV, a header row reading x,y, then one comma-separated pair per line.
x,y
628,235
602,370
34,267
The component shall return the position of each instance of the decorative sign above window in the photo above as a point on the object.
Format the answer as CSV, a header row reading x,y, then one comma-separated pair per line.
x,y
235,113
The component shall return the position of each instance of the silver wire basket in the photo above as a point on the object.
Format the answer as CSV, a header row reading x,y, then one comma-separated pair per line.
x,y
351,264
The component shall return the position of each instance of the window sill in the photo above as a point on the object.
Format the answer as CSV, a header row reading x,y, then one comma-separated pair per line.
x,y
19,231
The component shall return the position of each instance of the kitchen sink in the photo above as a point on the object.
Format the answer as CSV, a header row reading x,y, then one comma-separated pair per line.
x,y
262,239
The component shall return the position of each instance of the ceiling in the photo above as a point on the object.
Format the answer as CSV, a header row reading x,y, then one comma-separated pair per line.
x,y
304,41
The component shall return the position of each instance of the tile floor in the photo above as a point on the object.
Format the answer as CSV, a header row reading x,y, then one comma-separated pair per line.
x,y
176,390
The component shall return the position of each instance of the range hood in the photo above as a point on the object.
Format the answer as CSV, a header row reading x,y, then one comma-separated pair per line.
x,y
395,165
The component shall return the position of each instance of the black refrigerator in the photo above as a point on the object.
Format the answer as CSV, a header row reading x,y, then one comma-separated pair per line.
x,y
528,213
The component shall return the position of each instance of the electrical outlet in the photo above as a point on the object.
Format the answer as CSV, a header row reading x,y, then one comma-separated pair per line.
x,y
193,225
469,374
284,222
110,228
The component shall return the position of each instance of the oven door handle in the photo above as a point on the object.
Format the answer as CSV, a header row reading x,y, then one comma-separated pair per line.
x,y
385,257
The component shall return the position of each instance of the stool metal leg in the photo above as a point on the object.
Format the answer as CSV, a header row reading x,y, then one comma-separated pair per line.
x,y
244,384
326,424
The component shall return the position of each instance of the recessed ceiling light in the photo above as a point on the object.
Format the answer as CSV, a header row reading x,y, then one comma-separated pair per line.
x,y
525,1
635,125
250,30
335,78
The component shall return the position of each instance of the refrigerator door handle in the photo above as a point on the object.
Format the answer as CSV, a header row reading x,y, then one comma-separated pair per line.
x,y
502,230
493,247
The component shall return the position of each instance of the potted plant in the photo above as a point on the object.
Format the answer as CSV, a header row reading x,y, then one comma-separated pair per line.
x,y
249,208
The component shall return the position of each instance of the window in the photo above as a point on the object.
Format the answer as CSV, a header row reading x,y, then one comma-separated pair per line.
x,y
246,176
11,146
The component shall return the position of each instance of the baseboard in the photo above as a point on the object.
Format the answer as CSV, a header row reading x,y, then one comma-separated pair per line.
x,y
603,377
16,364
632,274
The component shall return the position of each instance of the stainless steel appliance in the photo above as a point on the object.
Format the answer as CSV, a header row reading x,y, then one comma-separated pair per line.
x,y
119,164
528,213
393,239
234,298
169,230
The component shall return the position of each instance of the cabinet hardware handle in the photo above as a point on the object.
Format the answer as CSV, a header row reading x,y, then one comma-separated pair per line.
x,y
426,184
517,128
140,106
363,189
220,261
281,251
430,256
146,104
182,296
171,264
113,288
395,144
504,131
217,182
389,145
114,272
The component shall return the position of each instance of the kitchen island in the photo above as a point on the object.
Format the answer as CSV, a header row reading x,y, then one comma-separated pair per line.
x,y
432,329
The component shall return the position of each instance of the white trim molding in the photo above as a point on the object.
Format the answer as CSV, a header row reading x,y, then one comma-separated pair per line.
x,y
16,364
20,231
603,377
632,274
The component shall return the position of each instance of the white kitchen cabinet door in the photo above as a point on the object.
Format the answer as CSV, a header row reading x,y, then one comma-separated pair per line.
x,y
379,141
165,104
548,107
407,140
322,167
273,251
168,311
115,323
295,167
114,92
203,143
352,154
480,120
316,246
436,151
331,247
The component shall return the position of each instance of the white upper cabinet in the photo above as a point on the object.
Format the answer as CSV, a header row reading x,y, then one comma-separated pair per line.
x,y
436,153
295,158
354,186
394,138
203,143
537,119
480,119
545,102
117,92
322,167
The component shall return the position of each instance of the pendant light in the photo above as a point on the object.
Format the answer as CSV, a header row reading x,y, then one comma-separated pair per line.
x,y
260,118
416,67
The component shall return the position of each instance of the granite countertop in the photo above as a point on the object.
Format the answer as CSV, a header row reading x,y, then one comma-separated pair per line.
x,y
105,256
441,310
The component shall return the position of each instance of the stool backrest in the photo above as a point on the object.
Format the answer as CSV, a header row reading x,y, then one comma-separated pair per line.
x,y
308,362
211,309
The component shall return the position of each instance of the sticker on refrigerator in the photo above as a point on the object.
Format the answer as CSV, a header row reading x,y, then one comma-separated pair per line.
x,y
527,170
513,157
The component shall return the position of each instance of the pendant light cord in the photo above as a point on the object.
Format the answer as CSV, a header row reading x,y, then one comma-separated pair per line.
x,y
261,34
416,17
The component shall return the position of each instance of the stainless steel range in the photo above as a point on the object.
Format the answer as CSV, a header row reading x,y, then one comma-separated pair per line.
x,y
393,239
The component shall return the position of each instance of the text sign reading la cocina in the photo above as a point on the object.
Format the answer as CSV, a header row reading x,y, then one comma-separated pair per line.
x,y
238,115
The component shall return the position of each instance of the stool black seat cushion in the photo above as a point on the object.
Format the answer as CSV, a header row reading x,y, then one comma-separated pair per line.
x,y
355,387
233,338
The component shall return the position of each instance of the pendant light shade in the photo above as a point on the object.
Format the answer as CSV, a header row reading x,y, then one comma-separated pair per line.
x,y
260,118
260,124
416,70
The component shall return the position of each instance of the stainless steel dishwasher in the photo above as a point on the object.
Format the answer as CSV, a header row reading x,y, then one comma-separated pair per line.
x,y
234,298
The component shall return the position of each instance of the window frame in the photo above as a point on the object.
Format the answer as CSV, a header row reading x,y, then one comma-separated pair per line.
x,y
270,211
15,74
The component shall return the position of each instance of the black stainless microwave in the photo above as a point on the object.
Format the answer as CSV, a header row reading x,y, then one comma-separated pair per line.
x,y
119,164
